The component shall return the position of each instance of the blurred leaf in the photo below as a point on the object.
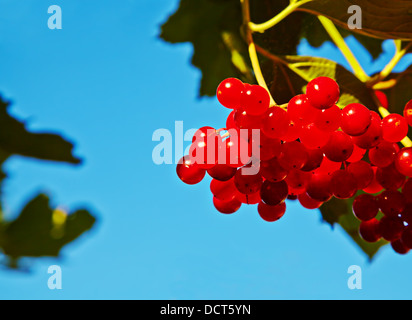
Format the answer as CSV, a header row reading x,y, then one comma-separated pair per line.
x,y
15,139
40,230
338,211
381,18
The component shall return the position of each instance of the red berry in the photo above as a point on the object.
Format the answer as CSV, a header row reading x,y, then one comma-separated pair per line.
x,y
329,119
230,121
312,137
247,184
383,99
406,236
399,246
394,127
223,190
271,213
328,167
315,158
356,119
322,92
244,120
293,133
188,171
255,99
343,184
390,178
369,230
319,187
300,110
374,186
383,154
273,193
221,172
365,207
227,207
298,179
391,202
357,154
373,135
403,161
293,155
390,228
307,202
272,170
407,112
253,198
339,147
407,190
229,93
275,123
363,173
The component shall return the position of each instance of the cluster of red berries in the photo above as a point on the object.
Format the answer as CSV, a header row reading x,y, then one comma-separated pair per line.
x,y
310,150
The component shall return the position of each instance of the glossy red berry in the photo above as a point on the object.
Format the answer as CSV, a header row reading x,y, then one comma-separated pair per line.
x,y
319,187
223,190
403,161
391,202
399,246
394,127
390,228
247,184
329,120
365,207
307,202
275,123
339,147
369,230
229,93
189,172
407,112
390,178
255,99
271,213
373,135
312,137
221,172
356,119
273,193
300,110
293,155
227,207
343,184
363,173
383,154
383,99
322,92
272,171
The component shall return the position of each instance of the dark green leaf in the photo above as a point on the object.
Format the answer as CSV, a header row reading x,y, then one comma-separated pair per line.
x,y
40,230
15,139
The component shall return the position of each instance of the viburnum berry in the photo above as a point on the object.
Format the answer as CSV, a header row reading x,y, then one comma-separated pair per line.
x,y
189,172
339,147
293,155
271,213
322,92
223,190
391,202
363,173
356,119
244,120
307,202
407,190
406,236
300,110
369,230
383,154
272,171
357,154
221,172
253,198
365,207
273,193
275,122
383,99
312,137
293,133
394,127
230,120
298,179
329,120
343,184
407,112
319,187
390,178
374,186
373,135
403,161
315,158
229,93
246,183
399,246
255,99
328,166
390,228
227,207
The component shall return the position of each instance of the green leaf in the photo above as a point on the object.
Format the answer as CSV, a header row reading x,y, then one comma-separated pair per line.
x,y
338,211
15,139
308,68
40,230
381,18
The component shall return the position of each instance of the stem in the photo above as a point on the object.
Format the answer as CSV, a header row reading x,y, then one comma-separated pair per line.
x,y
343,47
394,61
252,50
262,27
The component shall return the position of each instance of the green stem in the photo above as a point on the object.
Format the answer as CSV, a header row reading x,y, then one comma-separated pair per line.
x,y
262,27
343,47
394,61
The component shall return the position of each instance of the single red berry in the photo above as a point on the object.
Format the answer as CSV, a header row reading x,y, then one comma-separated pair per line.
x,y
315,158
356,119
339,146
406,236
357,154
383,154
365,207
230,120
390,178
329,120
312,137
407,112
394,127
272,171
244,120
307,202
399,246
300,110
383,99
293,133
390,228
293,155
273,193
298,179
403,161
221,172
363,173
369,230
322,92
275,123
271,213
189,172
227,207
247,184
319,187
262,147
229,93
343,184
374,186
255,99
328,166
223,190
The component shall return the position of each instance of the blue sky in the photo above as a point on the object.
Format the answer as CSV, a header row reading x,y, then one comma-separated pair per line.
x,y
107,82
